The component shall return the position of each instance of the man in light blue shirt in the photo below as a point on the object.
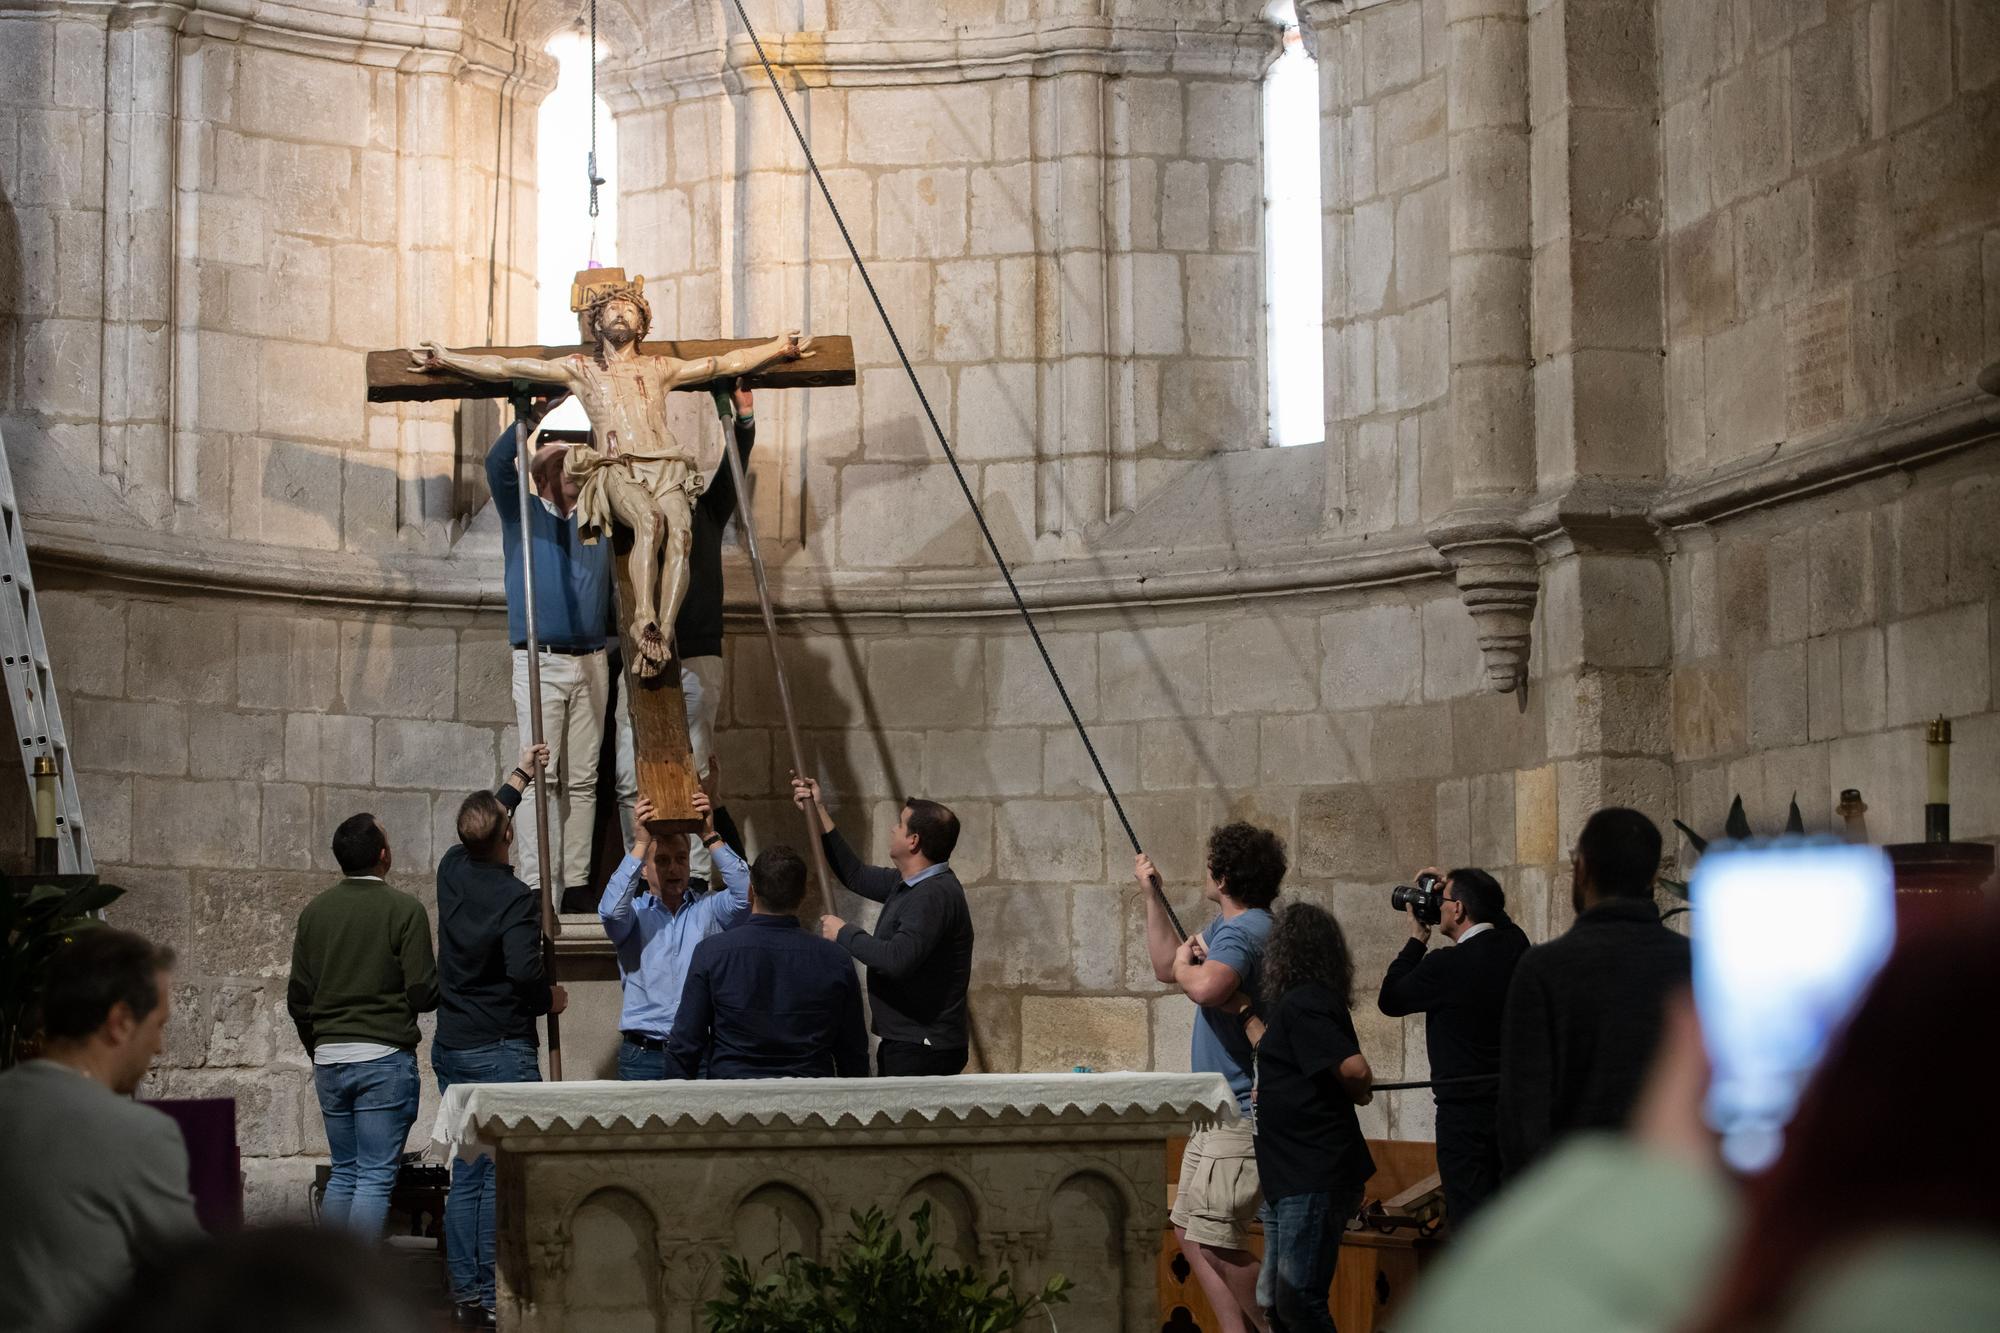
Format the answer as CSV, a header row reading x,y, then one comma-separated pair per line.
x,y
654,923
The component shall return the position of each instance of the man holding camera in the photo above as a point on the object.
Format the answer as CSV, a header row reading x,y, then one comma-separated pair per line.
x,y
1462,991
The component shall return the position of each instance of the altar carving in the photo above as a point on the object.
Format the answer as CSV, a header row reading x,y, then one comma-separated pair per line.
x,y
618,1201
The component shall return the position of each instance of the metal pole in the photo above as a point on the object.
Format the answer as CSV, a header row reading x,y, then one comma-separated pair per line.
x,y
735,466
524,441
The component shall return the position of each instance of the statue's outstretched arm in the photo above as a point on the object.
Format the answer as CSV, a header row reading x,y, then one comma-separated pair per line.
x,y
747,361
430,356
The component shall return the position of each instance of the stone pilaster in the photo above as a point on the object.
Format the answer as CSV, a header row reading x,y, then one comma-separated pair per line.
x,y
1598,336
137,386
1491,416
1320,31
1606,684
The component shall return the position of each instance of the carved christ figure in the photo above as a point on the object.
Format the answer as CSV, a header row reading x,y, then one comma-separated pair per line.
x,y
640,476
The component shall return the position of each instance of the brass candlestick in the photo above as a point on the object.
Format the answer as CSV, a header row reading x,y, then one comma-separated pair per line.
x,y
1853,813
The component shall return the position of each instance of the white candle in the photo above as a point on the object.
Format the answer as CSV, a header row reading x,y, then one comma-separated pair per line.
x,y
1939,756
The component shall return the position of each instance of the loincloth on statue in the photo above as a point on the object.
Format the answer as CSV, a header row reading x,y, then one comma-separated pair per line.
x,y
663,476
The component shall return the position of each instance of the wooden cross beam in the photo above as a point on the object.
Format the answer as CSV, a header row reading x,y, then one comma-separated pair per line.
x,y
391,378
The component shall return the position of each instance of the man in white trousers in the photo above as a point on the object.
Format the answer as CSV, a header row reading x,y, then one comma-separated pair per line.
x,y
572,613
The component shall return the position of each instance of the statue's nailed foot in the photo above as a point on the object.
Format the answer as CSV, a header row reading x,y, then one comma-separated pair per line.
x,y
654,653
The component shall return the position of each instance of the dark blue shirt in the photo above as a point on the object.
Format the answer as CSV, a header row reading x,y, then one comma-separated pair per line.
x,y
768,1000
572,577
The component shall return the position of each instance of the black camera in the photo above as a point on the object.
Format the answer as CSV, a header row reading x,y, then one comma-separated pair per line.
x,y
1426,899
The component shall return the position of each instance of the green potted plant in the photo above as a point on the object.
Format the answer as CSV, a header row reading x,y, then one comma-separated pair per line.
x,y
875,1284
38,915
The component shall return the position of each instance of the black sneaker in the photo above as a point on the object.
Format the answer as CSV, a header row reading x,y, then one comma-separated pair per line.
x,y
471,1314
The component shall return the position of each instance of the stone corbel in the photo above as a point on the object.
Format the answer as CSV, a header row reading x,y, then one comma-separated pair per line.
x,y
1499,578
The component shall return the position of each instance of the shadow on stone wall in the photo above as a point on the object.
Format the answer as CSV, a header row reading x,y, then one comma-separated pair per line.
x,y
17,808
12,300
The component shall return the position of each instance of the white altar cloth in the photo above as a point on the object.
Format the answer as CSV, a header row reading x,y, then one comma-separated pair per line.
x,y
474,1115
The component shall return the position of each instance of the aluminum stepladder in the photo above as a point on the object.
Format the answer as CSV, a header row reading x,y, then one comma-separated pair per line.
x,y
31,689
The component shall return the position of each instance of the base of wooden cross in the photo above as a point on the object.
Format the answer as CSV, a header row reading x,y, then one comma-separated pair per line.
x,y
660,748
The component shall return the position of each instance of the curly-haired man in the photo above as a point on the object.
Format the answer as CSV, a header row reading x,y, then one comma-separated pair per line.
x,y
1217,969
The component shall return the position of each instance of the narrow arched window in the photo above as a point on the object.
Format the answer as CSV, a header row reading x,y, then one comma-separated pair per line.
x,y
1294,325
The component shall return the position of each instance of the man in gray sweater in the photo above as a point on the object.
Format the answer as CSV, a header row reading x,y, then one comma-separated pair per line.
x,y
96,1185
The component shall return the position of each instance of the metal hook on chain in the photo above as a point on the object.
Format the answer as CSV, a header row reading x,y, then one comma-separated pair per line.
x,y
590,163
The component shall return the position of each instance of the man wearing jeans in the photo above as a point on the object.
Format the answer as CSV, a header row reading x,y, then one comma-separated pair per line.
x,y
654,921
572,610
362,971
492,988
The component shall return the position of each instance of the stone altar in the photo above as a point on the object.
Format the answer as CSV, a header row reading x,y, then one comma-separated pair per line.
x,y
617,1201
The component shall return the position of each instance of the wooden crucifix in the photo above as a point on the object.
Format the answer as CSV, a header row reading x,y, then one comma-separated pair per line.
x,y
637,486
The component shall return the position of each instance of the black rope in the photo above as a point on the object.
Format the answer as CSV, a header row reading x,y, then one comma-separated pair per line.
x,y
590,165
1465,1080
950,456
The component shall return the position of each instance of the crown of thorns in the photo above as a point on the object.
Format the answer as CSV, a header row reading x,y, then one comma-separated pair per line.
x,y
623,291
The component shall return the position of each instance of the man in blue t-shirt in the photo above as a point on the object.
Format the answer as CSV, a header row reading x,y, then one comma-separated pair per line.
x,y
1217,969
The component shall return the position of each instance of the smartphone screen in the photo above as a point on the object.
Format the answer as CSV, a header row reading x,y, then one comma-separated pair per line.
x,y
1787,936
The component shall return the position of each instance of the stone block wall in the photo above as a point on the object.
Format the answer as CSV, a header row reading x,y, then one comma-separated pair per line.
x,y
1831,251
1388,212
1831,280
52,157
1359,728
190,290
305,255
1813,641
1068,245
218,742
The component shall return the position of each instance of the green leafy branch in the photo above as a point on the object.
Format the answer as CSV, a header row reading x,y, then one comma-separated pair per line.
x,y
876,1283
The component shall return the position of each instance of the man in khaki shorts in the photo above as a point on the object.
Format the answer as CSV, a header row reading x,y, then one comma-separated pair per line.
x,y
1217,969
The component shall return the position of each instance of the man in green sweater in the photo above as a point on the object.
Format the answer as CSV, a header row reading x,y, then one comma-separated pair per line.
x,y
362,970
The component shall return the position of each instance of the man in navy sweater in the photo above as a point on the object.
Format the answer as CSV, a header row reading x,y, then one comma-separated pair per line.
x,y
1585,1011
767,999
572,610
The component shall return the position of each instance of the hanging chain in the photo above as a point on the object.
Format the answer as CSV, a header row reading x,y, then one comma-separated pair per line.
x,y
591,165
